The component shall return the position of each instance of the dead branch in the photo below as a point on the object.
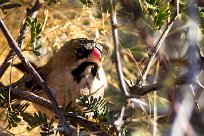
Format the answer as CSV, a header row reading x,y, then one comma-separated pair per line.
x,y
36,76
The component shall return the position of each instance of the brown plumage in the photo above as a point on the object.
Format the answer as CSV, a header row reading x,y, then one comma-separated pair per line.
x,y
73,71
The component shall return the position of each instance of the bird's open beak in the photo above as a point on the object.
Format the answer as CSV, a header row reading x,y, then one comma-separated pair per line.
x,y
95,56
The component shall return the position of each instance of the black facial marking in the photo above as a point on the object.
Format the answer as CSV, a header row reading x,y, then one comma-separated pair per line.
x,y
86,47
80,73
82,52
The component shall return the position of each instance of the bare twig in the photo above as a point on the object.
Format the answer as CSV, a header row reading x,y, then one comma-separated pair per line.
x,y
118,66
31,97
116,53
118,123
154,52
23,31
143,90
36,76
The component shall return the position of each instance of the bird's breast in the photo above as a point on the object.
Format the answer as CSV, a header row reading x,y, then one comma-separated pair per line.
x,y
67,89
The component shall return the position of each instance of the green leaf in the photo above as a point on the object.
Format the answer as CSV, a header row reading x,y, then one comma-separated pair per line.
x,y
51,122
94,105
29,21
164,8
36,29
149,6
38,47
161,17
40,119
12,118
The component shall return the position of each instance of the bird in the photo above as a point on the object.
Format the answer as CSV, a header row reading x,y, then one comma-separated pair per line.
x,y
73,71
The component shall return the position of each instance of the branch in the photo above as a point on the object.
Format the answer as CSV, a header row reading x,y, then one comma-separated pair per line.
x,y
153,54
118,123
116,53
31,97
36,76
86,123
143,90
22,34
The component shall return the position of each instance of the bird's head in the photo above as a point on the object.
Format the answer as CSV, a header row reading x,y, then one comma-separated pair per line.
x,y
87,50
78,51
81,56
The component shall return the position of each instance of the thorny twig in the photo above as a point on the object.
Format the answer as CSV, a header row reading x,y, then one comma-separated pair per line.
x,y
36,76
31,97
23,31
153,54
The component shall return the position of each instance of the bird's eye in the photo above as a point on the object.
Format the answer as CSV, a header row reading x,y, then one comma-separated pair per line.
x,y
79,51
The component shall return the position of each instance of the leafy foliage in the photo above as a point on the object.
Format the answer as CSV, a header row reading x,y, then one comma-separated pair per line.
x,y
158,10
36,29
94,105
101,112
162,14
15,112
12,117
6,4
11,114
39,119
